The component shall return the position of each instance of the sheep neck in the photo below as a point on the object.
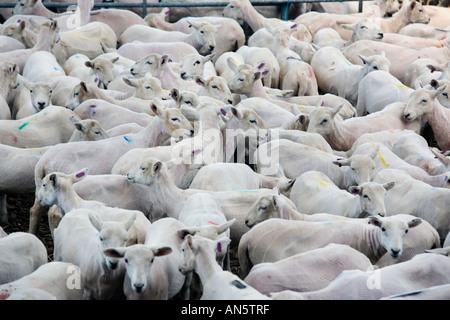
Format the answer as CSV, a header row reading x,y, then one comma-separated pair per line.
x,y
169,194
397,21
439,120
253,18
206,264
338,137
68,199
289,213
153,135
372,241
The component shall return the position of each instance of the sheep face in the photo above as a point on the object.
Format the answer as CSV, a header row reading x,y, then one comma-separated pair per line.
x,y
392,233
260,211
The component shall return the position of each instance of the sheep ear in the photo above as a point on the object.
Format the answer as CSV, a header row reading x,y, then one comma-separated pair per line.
x,y
157,166
182,233
337,109
342,162
162,251
200,81
80,175
89,64
236,112
355,190
130,82
232,64
115,252
95,221
414,222
158,110
288,186
129,223
79,126
439,91
224,227
347,26
376,221
175,94
53,179
389,185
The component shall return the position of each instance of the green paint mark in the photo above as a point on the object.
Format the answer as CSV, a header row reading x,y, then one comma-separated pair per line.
x,y
23,125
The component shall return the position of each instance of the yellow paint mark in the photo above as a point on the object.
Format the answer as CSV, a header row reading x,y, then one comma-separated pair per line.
x,y
402,86
382,160
323,183
331,36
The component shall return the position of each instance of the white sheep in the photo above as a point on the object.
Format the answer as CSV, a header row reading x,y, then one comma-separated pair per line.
x,y
314,192
32,98
60,280
102,275
152,268
199,255
22,254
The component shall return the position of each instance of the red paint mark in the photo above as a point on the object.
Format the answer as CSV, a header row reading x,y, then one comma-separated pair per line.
x,y
311,73
14,139
92,106
213,223
4,296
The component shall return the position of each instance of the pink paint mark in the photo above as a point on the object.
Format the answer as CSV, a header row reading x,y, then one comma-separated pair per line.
x,y
311,73
167,12
4,296
14,139
213,223
92,106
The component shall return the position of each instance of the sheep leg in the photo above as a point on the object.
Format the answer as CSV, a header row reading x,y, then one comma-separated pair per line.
x,y
36,212
54,217
3,209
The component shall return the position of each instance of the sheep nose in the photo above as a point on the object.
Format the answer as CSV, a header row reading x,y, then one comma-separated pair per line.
x,y
230,101
395,252
192,133
211,48
406,116
138,287
381,35
41,105
113,265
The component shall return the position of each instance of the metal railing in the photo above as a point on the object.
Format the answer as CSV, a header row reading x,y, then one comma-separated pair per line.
x,y
283,4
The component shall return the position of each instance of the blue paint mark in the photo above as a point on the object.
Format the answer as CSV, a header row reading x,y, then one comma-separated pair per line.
x,y
127,139
23,125
238,284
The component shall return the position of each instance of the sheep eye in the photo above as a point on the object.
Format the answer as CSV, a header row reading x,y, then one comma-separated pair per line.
x,y
366,196
153,259
383,229
262,208
148,62
324,121
187,102
97,132
252,121
445,94
147,87
406,231
31,91
214,87
126,260
424,101
202,32
175,119
375,68
197,62
240,79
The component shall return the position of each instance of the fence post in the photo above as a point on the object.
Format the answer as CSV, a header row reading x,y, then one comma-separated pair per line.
x,y
144,8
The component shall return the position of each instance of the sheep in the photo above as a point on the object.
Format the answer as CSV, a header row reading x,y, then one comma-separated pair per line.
x,y
388,159
335,74
32,98
148,278
294,273
57,189
17,170
199,255
29,132
276,157
89,153
234,204
342,134
363,29
255,56
222,67
110,115
102,275
417,198
202,216
89,40
422,71
88,130
261,243
310,190
45,41
137,50
22,254
439,292
42,66
197,65
203,37
9,72
414,149
400,57
388,90
375,284
423,104
235,176
60,280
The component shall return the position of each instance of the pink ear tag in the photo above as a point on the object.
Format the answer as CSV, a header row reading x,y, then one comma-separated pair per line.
x,y
219,247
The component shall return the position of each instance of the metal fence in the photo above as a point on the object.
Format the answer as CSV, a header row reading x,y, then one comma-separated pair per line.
x,y
282,4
